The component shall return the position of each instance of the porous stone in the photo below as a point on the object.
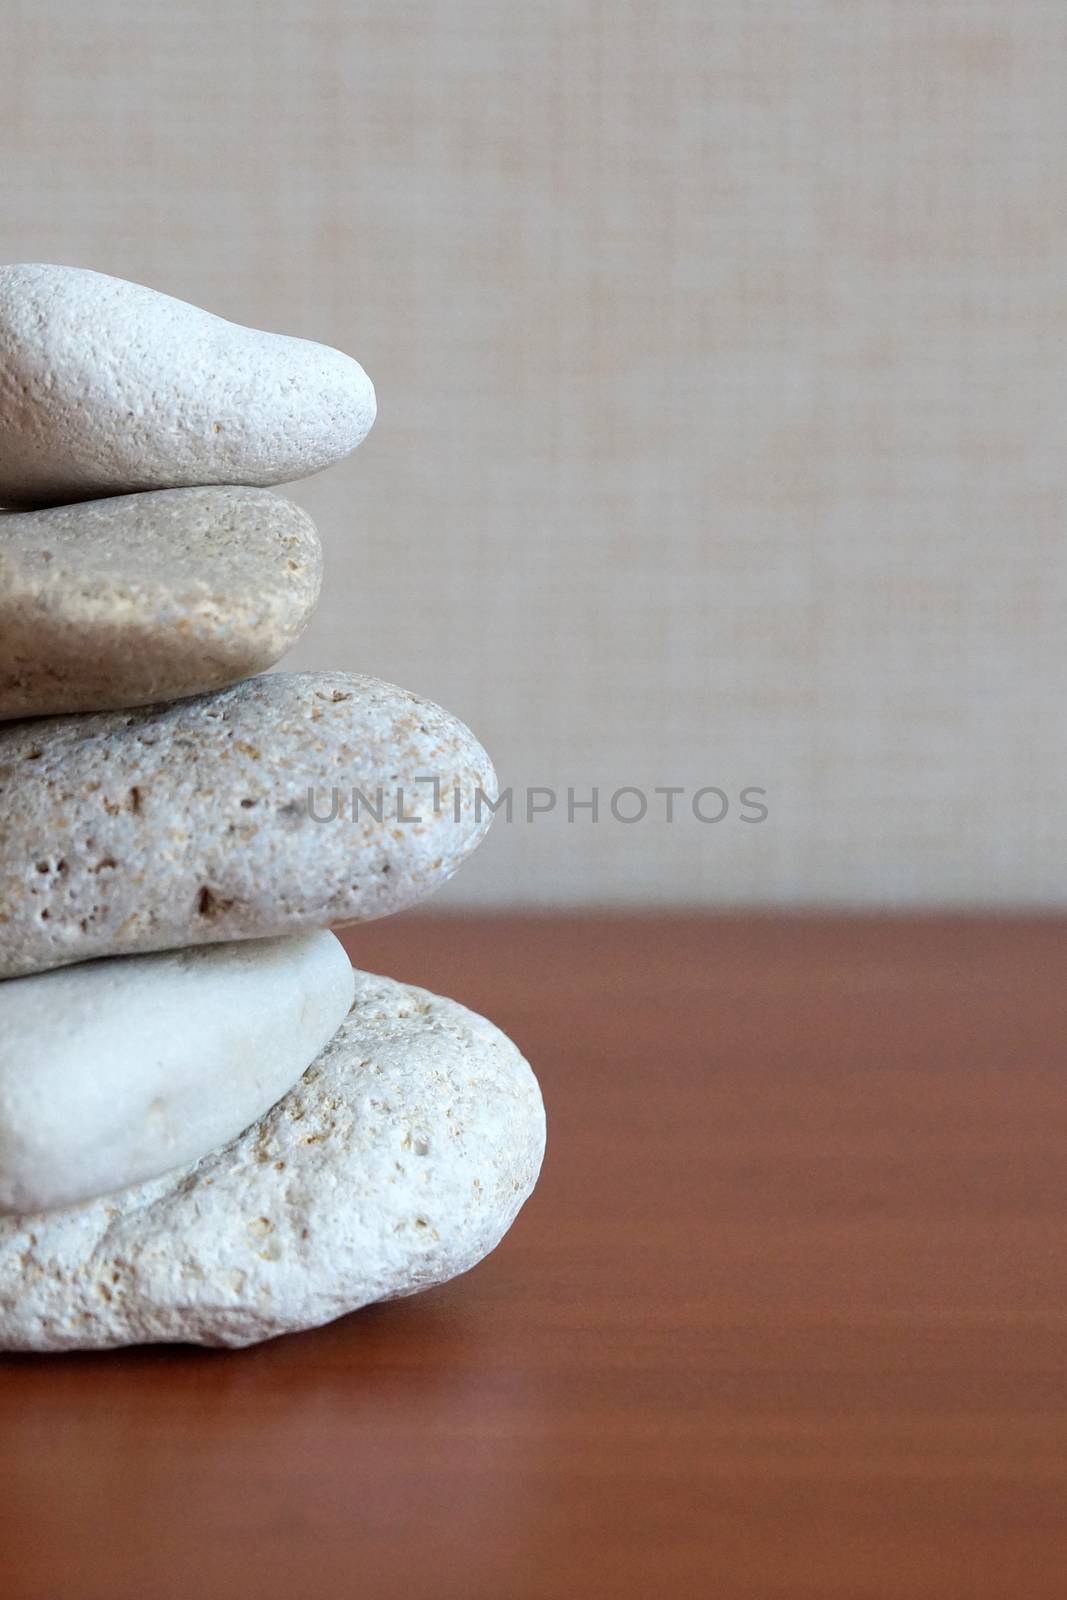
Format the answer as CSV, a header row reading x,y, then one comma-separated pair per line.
x,y
116,1071
151,596
108,386
399,1160
212,819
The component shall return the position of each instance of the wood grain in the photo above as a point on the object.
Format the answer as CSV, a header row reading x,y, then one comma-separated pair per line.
x,y
785,1318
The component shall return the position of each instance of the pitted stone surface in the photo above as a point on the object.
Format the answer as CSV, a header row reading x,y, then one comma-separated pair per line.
x,y
195,823
399,1160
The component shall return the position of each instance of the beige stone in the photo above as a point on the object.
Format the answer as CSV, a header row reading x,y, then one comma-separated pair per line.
x,y
146,597
165,826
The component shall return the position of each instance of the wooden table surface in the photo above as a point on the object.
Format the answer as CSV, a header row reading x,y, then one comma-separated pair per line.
x,y
785,1318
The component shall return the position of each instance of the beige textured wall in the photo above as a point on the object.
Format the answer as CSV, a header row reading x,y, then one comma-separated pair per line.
x,y
720,348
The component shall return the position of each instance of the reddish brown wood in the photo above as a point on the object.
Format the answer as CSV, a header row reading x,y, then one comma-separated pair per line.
x,y
785,1319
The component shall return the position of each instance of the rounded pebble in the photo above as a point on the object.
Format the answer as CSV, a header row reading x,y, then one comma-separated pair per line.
x,y
116,1071
399,1160
108,386
293,801
153,596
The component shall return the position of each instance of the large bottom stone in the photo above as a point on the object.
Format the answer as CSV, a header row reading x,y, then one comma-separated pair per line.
x,y
398,1161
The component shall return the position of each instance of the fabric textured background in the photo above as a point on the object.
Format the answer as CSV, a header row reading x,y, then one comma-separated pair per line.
x,y
720,351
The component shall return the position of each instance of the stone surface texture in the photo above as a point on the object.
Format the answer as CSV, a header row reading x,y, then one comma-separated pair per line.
x,y
115,1071
130,831
107,386
155,596
398,1161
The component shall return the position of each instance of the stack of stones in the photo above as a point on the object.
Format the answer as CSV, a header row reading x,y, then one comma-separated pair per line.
x,y
211,1129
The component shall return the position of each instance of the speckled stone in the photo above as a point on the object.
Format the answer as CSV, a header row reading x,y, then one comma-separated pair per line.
x,y
151,829
107,386
398,1161
149,596
112,1072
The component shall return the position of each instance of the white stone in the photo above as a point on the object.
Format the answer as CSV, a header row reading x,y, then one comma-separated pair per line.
x,y
166,826
107,386
116,1071
398,1161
